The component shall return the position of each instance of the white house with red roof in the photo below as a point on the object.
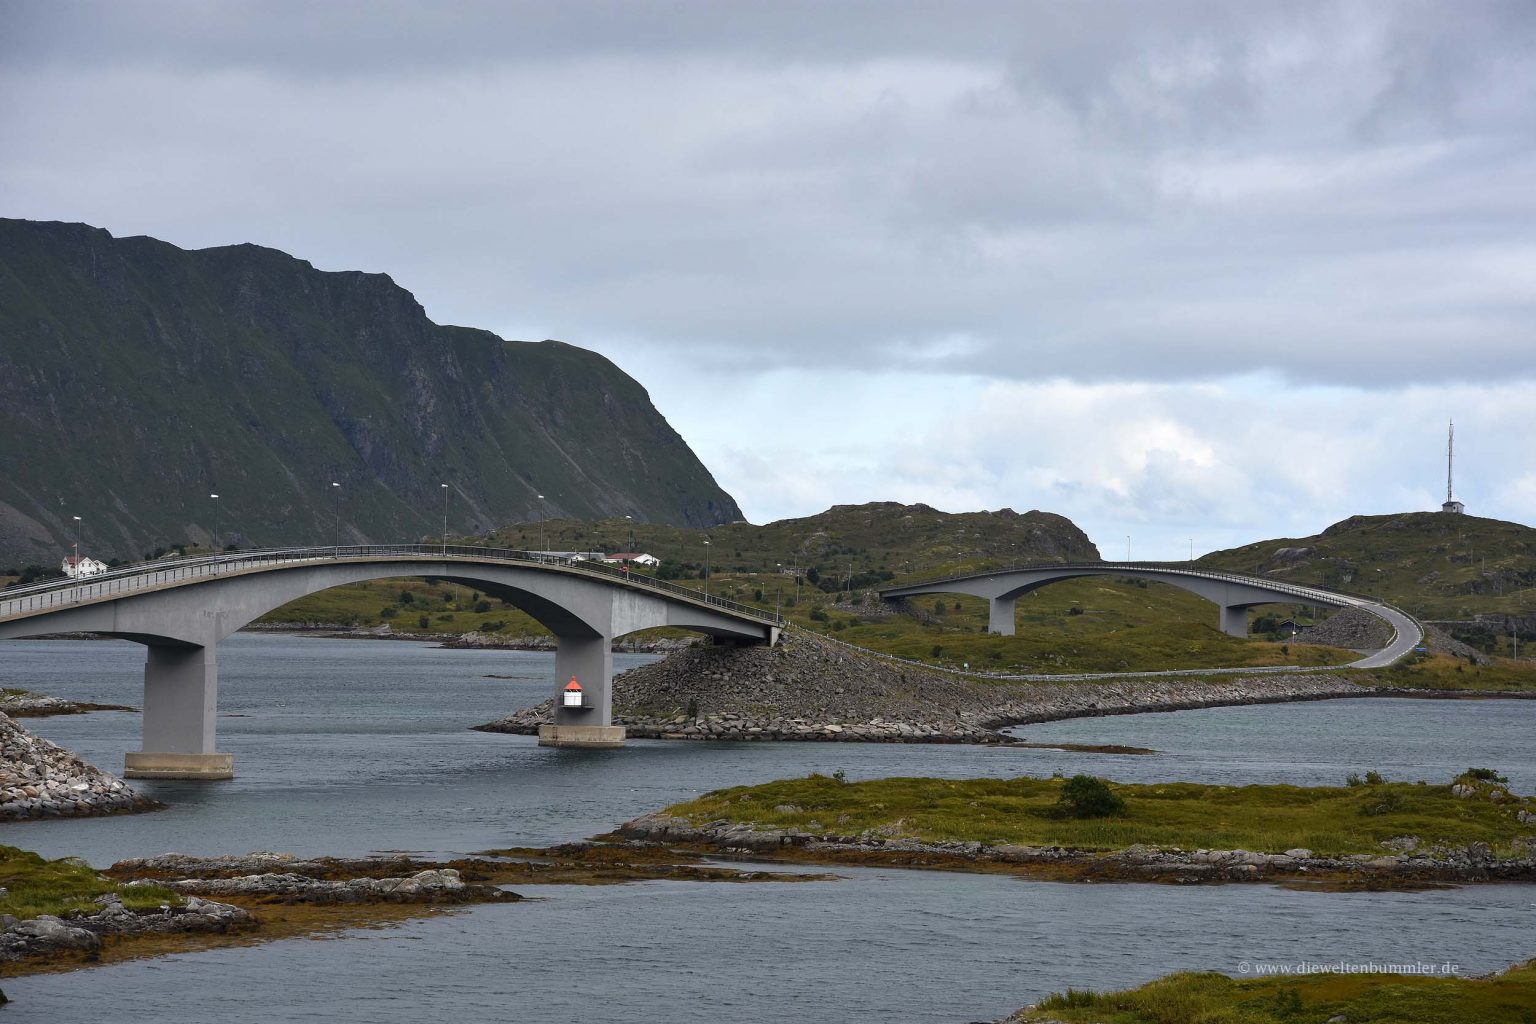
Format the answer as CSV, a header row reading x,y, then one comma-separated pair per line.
x,y
76,566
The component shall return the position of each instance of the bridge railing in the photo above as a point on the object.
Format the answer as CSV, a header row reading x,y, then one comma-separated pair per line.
x,y
145,575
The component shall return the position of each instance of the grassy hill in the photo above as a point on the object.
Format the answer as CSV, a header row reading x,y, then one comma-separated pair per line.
x,y
136,378
878,537
1435,565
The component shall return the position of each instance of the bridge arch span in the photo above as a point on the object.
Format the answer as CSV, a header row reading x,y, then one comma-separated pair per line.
x,y
181,611
1232,593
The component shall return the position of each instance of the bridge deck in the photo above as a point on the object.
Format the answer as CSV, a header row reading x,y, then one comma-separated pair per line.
x,y
146,577
1407,633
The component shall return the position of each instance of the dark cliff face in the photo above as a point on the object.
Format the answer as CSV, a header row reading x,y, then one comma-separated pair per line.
x,y
136,378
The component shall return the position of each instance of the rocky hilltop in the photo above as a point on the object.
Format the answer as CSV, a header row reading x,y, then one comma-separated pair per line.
x,y
136,378
862,539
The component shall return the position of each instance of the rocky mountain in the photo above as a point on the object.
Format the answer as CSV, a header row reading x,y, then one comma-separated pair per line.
x,y
1436,565
138,378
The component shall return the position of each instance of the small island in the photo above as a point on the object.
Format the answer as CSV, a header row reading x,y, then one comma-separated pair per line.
x,y
1378,994
1366,832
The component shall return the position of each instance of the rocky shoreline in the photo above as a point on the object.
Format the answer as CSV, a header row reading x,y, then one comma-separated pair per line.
x,y
1405,864
811,689
24,704
39,779
47,935
283,878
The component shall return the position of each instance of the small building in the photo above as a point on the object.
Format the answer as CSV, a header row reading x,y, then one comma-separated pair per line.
x,y
633,557
76,566
1453,507
569,556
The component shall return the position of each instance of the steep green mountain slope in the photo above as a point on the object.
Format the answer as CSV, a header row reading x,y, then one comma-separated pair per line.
x,y
136,378
1436,565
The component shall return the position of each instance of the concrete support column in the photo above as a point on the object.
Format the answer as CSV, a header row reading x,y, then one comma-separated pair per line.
x,y
1234,620
1000,616
588,660
181,693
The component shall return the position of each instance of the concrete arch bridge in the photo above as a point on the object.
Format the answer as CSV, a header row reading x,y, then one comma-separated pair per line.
x,y
180,610
1232,593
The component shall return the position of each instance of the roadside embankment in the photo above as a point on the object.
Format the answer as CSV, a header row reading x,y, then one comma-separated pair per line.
x,y
39,779
1374,834
810,688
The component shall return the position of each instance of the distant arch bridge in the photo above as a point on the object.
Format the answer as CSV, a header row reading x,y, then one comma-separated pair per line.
x,y
180,610
1232,593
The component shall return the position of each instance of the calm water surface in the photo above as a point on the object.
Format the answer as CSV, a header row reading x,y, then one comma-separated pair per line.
x,y
347,747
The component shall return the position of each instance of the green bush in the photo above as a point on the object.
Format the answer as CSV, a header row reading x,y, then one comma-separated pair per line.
x,y
1486,775
423,622
1083,796
482,607
388,612
406,597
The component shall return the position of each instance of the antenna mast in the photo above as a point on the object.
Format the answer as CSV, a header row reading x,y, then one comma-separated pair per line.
x,y
1450,457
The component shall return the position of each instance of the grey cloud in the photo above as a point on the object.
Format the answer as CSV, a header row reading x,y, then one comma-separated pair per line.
x,y
1110,191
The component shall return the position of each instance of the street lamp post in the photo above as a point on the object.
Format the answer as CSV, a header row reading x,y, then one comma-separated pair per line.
x,y
631,521
336,538
778,583
706,566
79,526
215,498
541,523
445,518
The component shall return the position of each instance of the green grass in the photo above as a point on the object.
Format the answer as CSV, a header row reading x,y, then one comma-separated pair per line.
x,y
60,887
1189,998
1445,672
1272,818
1435,565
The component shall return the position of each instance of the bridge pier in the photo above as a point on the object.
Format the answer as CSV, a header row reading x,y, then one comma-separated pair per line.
x,y
1234,620
1000,616
588,660
181,692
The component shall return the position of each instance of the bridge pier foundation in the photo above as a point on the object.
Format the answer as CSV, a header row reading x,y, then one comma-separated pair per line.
x,y
181,692
1234,620
1000,616
588,660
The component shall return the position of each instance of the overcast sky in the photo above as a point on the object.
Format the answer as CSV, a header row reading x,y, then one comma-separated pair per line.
x,y
1187,272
